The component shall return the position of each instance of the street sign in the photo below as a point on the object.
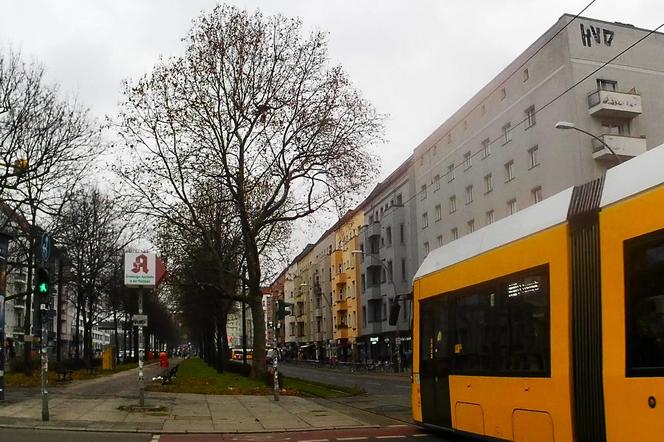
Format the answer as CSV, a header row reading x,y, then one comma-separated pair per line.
x,y
45,247
140,320
140,270
143,270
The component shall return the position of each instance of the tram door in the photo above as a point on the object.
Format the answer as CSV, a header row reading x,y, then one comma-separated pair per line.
x,y
435,364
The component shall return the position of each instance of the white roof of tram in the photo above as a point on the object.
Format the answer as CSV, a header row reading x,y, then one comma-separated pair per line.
x,y
636,175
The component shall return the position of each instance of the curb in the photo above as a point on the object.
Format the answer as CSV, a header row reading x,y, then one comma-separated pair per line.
x,y
148,431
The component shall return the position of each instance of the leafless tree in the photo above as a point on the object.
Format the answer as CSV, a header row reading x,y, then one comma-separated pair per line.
x,y
256,107
95,231
47,144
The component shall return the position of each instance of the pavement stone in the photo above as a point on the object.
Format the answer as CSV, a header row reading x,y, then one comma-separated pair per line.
x,y
186,413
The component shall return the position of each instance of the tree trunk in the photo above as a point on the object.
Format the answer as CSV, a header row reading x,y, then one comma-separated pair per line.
x,y
116,356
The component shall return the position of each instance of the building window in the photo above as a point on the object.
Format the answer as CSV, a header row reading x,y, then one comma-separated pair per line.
x,y
399,200
511,206
536,194
489,217
388,236
614,128
440,240
435,149
423,192
455,233
436,183
471,226
449,138
507,133
607,85
486,148
403,269
402,234
483,109
426,248
452,204
439,212
450,173
503,93
526,75
364,315
509,171
425,220
467,160
530,116
469,194
488,183
532,157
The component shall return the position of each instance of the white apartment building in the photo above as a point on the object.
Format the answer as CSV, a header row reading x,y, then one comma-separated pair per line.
x,y
501,151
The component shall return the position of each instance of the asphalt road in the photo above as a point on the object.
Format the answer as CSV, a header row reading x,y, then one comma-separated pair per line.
x,y
388,395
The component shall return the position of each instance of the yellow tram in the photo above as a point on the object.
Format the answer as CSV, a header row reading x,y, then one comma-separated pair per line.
x,y
548,325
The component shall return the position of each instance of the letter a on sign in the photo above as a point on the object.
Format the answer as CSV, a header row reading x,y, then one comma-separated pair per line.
x,y
140,270
140,264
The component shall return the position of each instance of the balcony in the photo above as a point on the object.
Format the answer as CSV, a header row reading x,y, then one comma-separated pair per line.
x,y
340,278
342,331
625,147
341,305
372,292
17,330
614,104
373,229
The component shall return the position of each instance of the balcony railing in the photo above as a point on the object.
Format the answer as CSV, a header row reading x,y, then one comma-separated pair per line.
x,y
614,104
625,147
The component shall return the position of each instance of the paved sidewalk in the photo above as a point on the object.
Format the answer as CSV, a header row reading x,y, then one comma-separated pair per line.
x,y
183,413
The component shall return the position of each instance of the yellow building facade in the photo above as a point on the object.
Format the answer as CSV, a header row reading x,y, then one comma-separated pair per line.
x,y
345,271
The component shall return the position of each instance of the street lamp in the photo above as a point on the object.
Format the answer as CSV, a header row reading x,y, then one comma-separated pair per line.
x,y
565,125
396,299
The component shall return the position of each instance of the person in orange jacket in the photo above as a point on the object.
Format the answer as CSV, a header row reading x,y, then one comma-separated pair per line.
x,y
163,359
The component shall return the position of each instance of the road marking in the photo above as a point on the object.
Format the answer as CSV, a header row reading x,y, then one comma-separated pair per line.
x,y
352,438
390,437
419,435
315,440
398,425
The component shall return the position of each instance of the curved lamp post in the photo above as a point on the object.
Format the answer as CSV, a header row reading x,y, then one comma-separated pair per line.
x,y
565,125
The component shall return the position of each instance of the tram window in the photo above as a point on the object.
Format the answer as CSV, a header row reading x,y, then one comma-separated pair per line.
x,y
471,350
502,326
644,292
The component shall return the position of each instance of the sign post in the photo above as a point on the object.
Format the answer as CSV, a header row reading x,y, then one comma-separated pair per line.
x,y
43,345
142,270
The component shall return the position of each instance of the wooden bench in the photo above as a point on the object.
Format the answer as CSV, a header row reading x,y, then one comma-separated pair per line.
x,y
64,373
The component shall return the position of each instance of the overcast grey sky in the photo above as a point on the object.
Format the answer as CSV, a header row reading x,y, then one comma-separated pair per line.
x,y
416,60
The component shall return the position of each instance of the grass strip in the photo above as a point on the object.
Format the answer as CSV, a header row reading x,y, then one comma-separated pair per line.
x,y
319,389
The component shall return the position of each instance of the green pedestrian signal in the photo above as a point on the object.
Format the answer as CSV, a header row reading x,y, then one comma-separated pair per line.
x,y
42,281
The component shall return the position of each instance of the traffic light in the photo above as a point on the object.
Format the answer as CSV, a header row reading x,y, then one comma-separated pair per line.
x,y
42,283
395,308
283,309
